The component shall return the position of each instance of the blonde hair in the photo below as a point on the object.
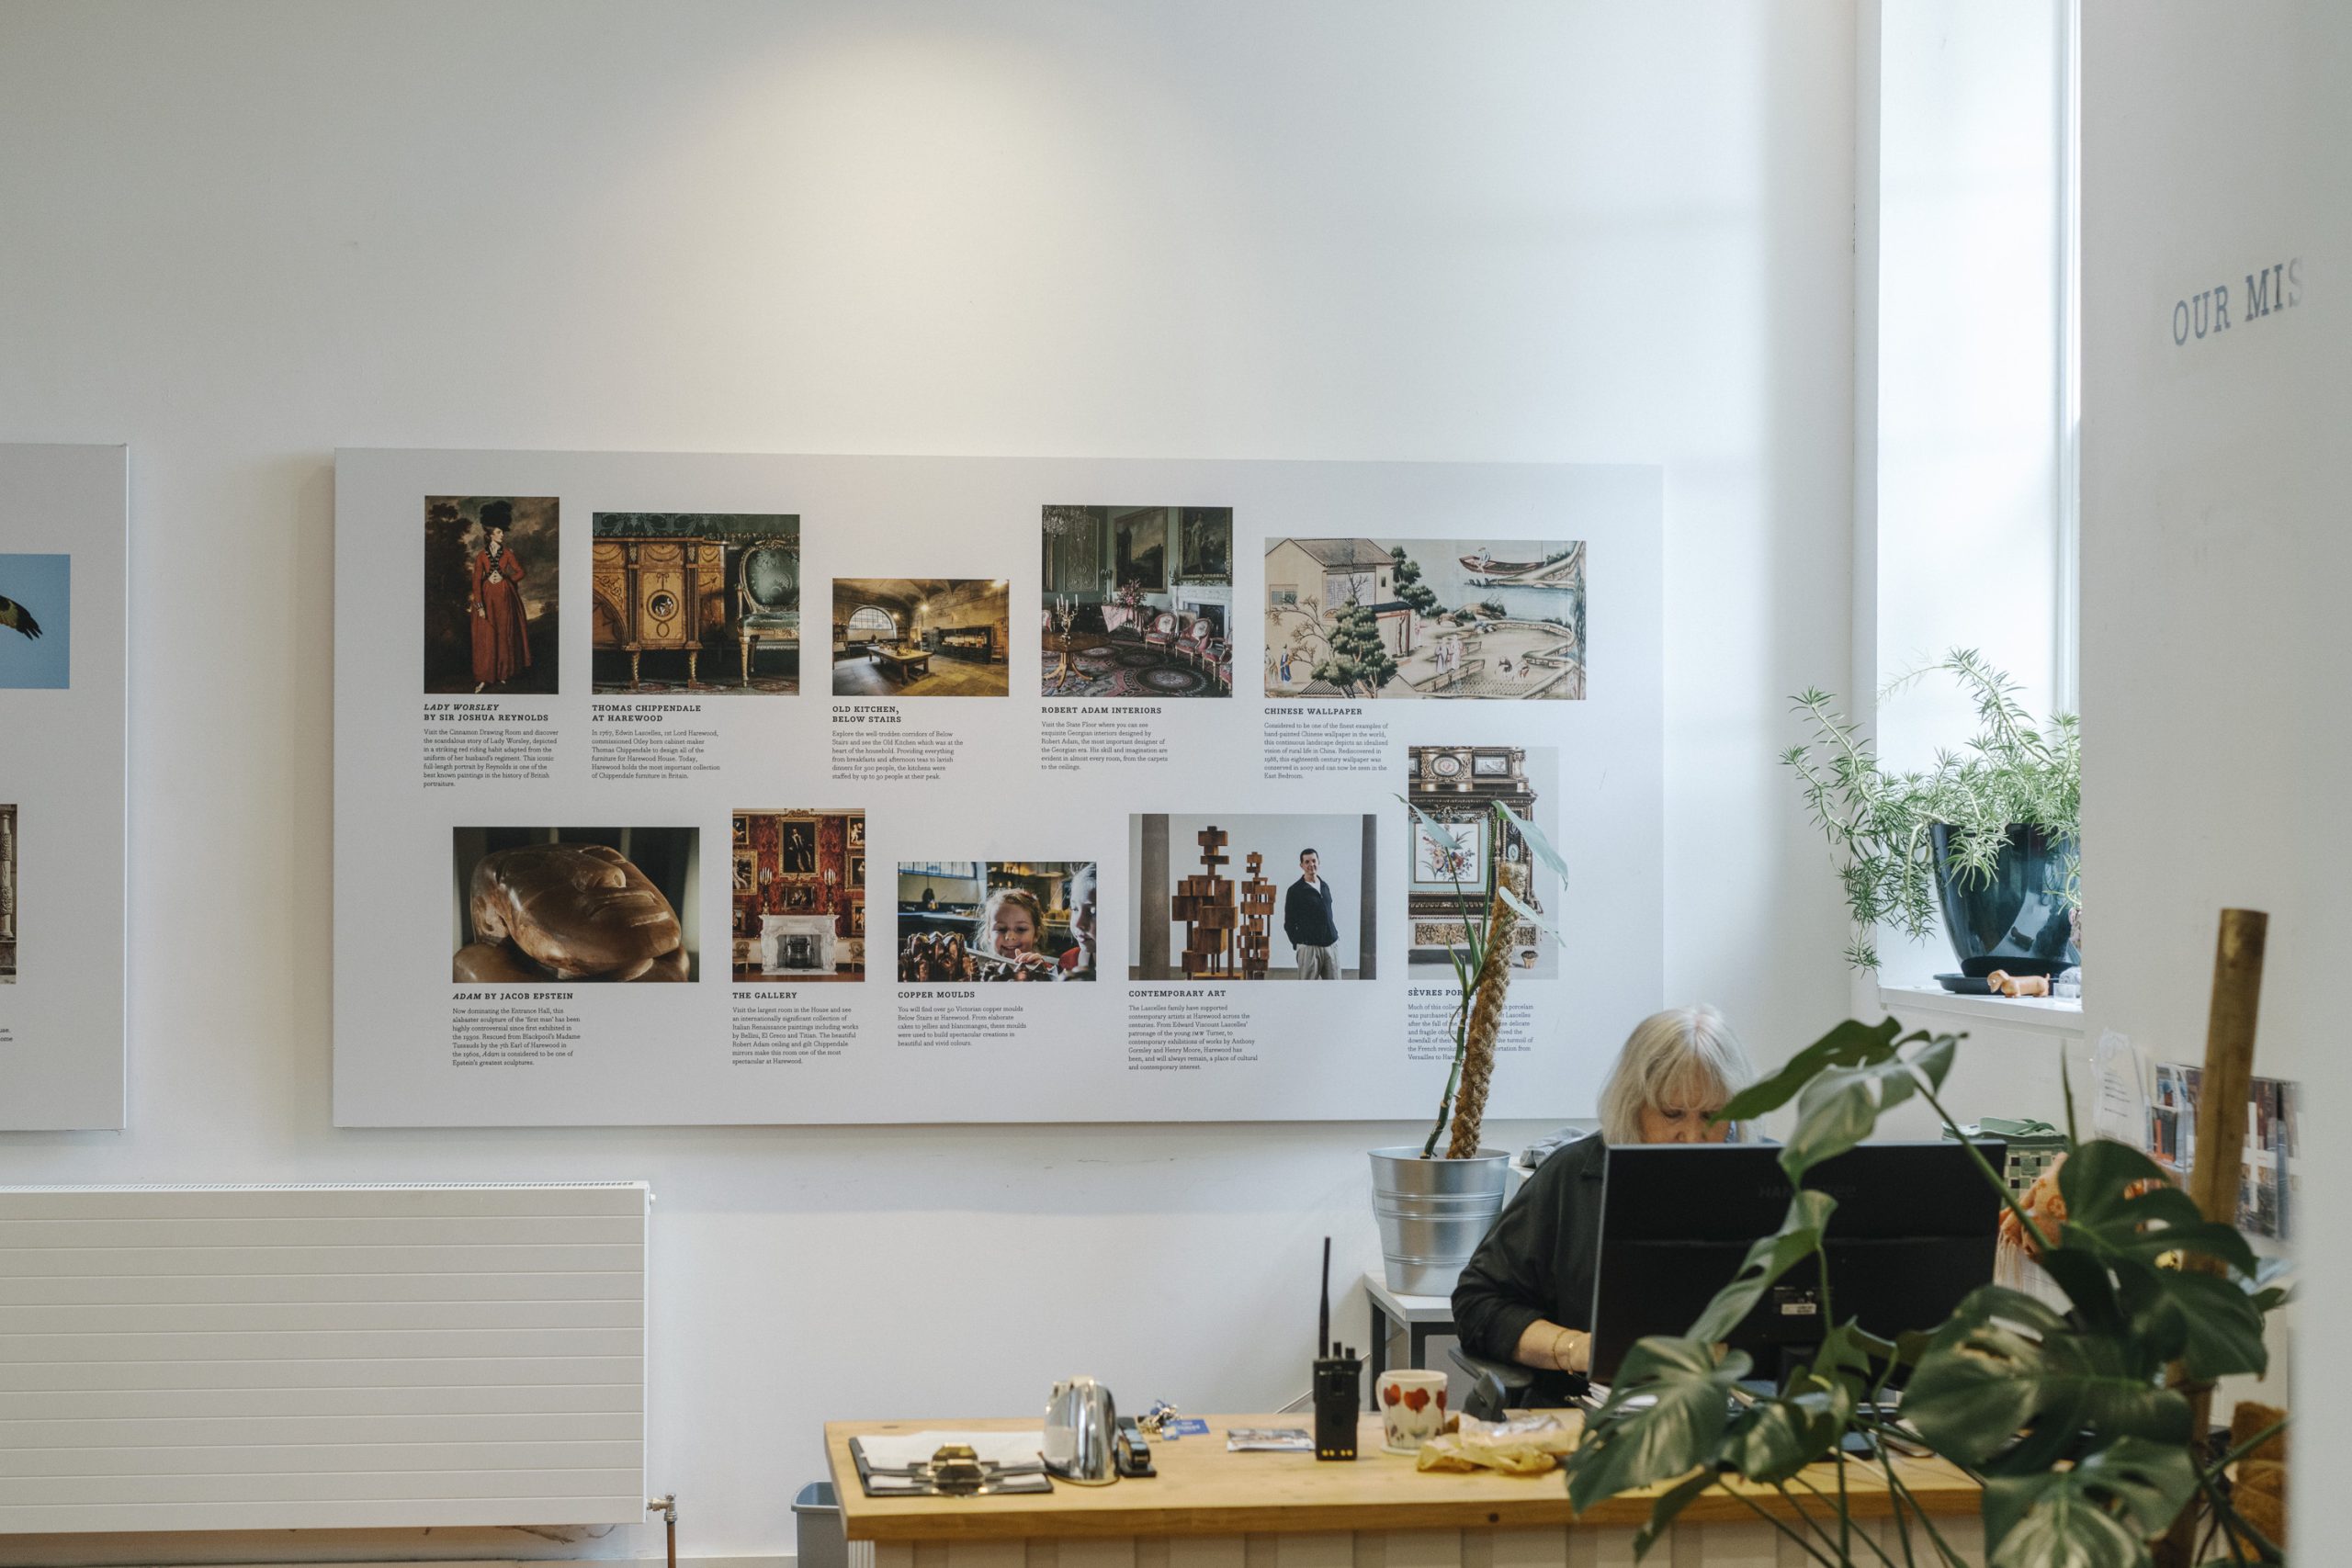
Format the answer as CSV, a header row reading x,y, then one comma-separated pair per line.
x,y
1687,1054
984,938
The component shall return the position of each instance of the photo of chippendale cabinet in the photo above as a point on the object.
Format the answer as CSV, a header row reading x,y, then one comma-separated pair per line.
x,y
672,587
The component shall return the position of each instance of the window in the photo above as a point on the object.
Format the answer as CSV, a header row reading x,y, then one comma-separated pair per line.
x,y
867,621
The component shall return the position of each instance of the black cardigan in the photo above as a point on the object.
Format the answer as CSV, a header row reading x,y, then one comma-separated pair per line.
x,y
1307,915
1538,1262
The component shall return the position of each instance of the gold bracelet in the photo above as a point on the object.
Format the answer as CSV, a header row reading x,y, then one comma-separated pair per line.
x,y
1556,1360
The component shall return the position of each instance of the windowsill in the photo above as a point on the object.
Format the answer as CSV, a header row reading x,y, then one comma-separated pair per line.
x,y
2055,1015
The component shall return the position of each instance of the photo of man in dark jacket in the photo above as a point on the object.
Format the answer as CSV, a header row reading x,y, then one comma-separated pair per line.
x,y
1306,920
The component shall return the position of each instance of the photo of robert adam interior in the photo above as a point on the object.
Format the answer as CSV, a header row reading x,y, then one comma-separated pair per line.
x,y
1138,601
919,636
1253,897
576,905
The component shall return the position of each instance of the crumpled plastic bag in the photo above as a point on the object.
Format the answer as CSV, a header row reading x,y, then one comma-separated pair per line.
x,y
1529,1445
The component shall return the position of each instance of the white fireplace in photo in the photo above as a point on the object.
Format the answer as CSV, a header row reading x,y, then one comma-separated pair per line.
x,y
795,944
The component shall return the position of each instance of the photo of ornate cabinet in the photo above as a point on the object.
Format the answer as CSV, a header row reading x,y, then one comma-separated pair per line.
x,y
1459,786
668,595
679,584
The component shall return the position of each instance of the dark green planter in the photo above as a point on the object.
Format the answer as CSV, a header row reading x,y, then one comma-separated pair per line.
x,y
2017,919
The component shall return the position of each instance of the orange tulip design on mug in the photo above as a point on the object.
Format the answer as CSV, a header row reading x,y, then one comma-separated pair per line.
x,y
1412,1408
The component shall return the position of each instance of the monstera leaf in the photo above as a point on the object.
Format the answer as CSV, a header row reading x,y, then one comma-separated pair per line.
x,y
1842,1106
2213,1325
2005,1363
1664,1417
1850,1044
1768,1259
2105,1214
2098,1513
1774,1439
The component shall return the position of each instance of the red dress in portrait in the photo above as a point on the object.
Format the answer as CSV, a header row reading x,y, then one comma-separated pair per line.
x,y
502,633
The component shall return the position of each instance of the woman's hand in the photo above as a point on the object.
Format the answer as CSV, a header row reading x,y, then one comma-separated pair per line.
x,y
1551,1347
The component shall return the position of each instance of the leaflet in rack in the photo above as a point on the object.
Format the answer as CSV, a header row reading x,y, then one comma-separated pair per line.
x,y
694,789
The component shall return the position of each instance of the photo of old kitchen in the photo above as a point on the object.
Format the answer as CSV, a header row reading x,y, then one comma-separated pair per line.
x,y
919,636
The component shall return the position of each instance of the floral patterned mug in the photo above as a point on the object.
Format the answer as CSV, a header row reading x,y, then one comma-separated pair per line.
x,y
1412,1407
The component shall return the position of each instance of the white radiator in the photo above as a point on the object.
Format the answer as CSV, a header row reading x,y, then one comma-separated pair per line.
x,y
257,1357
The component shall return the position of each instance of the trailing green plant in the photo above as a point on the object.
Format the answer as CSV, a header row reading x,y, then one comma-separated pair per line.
x,y
1481,961
2013,771
2072,1422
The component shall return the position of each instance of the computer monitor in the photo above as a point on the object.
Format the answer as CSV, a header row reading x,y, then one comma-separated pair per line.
x,y
1913,1232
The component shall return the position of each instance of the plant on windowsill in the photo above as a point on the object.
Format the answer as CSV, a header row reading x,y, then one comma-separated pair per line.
x,y
2077,1424
1988,837
1435,1208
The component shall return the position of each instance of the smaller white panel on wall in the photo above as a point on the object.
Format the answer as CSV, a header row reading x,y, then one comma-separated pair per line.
x,y
63,521
351,1357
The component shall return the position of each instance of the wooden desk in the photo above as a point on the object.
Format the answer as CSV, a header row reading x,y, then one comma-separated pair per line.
x,y
905,662
1209,1508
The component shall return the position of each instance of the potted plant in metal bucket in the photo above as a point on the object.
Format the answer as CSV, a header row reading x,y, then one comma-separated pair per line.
x,y
1986,838
1434,1206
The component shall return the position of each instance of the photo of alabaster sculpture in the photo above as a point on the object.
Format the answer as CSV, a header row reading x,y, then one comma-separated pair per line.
x,y
1348,619
490,595
537,905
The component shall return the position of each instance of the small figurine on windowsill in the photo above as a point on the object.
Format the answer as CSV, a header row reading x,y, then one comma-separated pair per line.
x,y
2004,984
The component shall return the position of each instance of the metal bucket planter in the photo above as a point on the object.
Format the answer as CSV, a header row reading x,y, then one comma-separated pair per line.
x,y
1433,1214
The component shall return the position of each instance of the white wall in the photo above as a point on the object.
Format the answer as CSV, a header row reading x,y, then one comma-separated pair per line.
x,y
240,235
2215,677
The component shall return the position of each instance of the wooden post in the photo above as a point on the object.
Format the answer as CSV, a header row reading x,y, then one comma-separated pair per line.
x,y
2220,1140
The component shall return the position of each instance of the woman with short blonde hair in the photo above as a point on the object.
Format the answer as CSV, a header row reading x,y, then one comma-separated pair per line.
x,y
1673,1060
1526,1295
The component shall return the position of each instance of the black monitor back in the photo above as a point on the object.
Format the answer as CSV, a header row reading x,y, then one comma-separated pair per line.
x,y
1913,1232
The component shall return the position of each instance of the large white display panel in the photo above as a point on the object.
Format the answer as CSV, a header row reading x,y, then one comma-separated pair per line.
x,y
64,525
774,828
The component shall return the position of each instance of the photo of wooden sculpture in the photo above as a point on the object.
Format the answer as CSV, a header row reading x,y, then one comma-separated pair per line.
x,y
1204,903
545,904
1305,906
36,606
490,587
1225,922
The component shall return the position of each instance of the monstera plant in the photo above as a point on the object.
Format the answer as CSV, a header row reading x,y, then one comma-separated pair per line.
x,y
2075,1422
